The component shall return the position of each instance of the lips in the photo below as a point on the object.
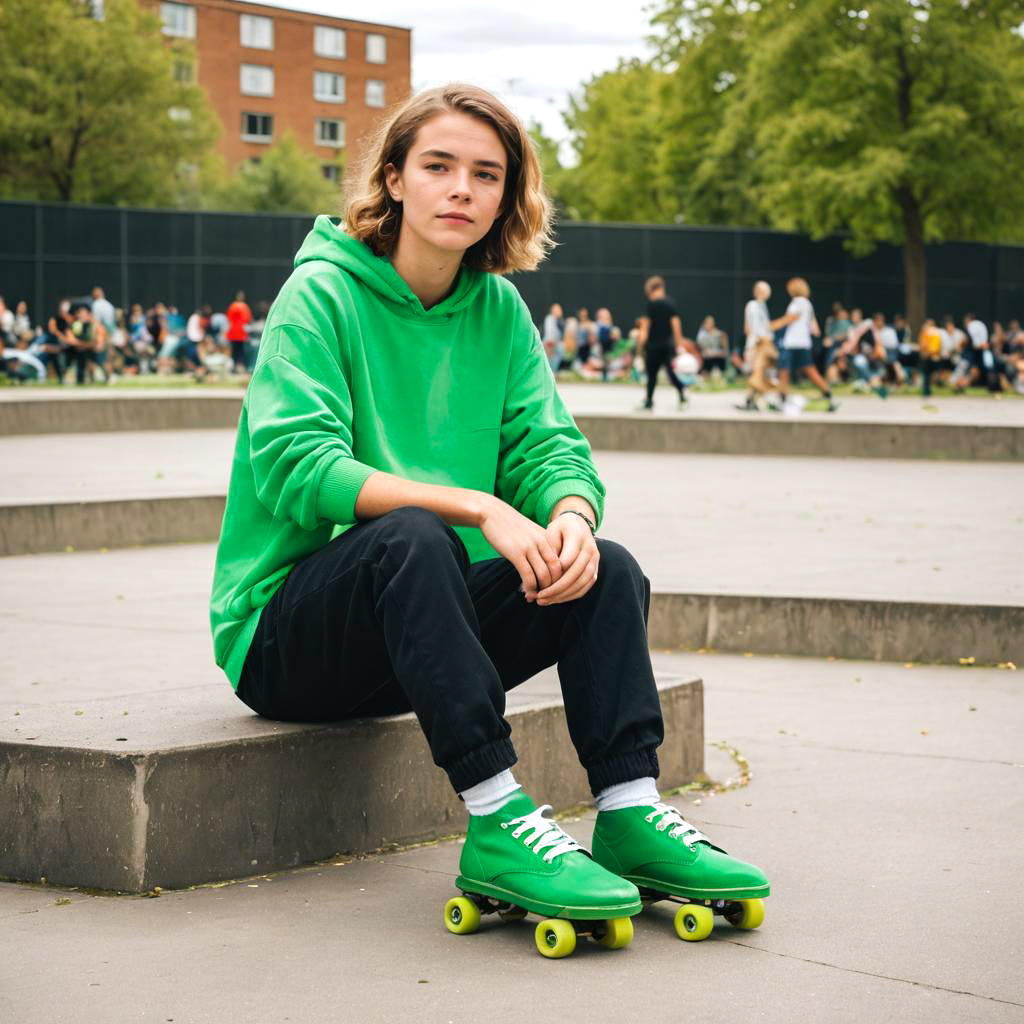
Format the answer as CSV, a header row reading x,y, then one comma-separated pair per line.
x,y
459,218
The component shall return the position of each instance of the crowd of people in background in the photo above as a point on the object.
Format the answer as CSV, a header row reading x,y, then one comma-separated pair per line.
x,y
100,343
873,353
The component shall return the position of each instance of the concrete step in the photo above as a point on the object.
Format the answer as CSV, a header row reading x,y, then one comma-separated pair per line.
x,y
881,802
910,428
187,786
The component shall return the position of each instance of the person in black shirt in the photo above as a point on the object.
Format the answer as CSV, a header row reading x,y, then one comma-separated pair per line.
x,y
660,338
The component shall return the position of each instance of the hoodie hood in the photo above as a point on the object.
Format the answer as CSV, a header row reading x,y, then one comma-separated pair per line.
x,y
327,241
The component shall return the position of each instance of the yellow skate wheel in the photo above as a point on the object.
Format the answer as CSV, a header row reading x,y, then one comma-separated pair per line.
x,y
694,922
746,914
617,933
555,938
461,916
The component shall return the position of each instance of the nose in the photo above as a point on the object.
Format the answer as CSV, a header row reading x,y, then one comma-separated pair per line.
x,y
460,187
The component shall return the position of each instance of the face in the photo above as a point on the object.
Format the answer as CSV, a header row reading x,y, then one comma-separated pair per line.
x,y
451,186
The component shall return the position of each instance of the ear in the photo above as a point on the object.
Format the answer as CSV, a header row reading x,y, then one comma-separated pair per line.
x,y
393,182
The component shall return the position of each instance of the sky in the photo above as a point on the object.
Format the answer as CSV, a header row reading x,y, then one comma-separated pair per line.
x,y
531,53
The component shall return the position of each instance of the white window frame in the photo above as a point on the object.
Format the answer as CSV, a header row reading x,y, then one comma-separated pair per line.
x,y
375,40
251,28
318,138
322,34
329,97
383,92
263,139
252,90
334,177
186,31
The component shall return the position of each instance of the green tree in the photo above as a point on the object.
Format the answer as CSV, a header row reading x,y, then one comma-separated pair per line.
x,y
288,179
614,126
91,111
898,121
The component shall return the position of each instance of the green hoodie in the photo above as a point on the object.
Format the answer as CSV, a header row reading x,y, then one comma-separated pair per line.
x,y
354,376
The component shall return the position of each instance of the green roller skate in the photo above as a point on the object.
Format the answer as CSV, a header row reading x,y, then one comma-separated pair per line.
x,y
516,862
668,859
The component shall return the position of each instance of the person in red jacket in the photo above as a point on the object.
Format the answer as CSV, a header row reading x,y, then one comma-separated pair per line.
x,y
239,317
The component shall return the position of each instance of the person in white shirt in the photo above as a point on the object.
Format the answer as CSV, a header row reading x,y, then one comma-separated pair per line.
x,y
889,341
554,335
760,352
795,357
102,311
982,359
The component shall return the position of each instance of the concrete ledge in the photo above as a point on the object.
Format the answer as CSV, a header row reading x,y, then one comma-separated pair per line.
x,y
740,435
88,525
129,795
838,627
136,411
778,435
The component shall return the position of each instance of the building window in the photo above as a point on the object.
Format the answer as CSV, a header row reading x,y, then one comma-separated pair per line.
x,y
257,80
180,114
332,172
330,132
179,20
328,87
257,127
374,92
328,42
184,72
376,49
257,32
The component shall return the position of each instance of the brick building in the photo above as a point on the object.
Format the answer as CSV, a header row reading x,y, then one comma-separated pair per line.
x,y
268,71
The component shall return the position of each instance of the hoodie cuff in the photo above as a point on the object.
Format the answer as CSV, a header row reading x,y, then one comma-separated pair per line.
x,y
560,489
339,488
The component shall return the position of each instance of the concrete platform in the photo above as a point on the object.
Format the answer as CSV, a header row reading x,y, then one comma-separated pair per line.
x,y
882,804
187,786
956,428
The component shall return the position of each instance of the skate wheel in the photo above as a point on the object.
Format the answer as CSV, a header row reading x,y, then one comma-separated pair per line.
x,y
694,922
461,916
555,938
512,914
746,914
617,933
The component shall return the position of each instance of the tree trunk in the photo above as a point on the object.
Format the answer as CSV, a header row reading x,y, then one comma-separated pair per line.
x,y
915,270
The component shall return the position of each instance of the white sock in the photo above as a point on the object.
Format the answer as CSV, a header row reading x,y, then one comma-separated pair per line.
x,y
492,794
635,793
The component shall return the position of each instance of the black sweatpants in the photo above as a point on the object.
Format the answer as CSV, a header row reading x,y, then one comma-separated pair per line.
x,y
654,360
392,617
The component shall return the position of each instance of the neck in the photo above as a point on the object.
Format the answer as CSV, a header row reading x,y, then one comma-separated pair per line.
x,y
429,275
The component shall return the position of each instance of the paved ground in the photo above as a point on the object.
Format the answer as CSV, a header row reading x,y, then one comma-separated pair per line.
x,y
591,398
883,804
704,523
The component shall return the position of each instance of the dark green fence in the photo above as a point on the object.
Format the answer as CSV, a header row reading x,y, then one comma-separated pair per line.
x,y
50,250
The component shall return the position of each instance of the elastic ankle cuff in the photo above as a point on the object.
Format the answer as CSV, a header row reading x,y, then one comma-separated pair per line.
x,y
480,764
623,768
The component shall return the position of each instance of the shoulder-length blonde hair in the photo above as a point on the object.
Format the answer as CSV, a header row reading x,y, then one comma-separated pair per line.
x,y
520,236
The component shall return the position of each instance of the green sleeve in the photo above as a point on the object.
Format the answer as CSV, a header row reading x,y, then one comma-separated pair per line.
x,y
300,436
542,456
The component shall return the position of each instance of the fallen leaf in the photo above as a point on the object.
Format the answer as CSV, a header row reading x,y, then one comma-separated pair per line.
x,y
967,661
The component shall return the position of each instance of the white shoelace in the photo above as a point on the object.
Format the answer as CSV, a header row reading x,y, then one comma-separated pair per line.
x,y
679,827
545,833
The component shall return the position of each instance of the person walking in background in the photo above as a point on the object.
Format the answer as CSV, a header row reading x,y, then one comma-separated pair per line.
x,y
660,338
554,336
239,317
586,331
607,336
760,352
795,357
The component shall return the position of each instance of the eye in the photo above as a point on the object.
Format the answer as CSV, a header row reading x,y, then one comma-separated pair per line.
x,y
431,167
489,175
